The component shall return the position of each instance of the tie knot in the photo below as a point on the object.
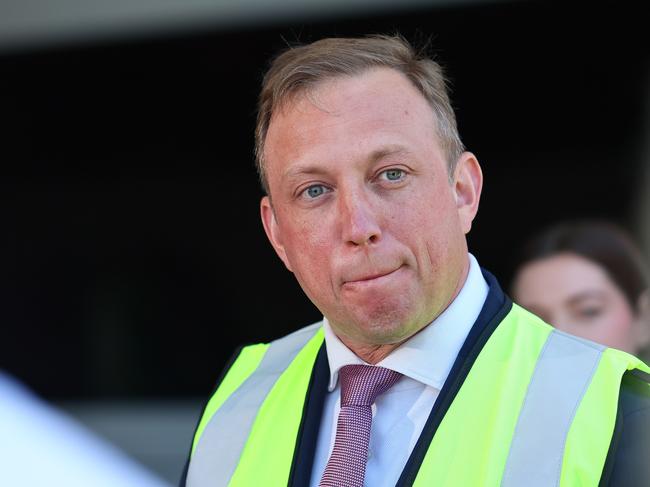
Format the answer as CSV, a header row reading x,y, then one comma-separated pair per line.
x,y
361,384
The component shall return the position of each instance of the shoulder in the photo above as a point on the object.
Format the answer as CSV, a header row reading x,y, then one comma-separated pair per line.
x,y
635,395
631,442
272,357
249,356
299,337
634,404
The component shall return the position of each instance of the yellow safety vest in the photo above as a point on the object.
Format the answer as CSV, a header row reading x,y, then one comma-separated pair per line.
x,y
537,408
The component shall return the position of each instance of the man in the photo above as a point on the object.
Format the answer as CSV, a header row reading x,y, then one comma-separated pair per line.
x,y
422,371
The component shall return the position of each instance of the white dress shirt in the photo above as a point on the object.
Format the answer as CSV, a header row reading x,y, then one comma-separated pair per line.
x,y
400,413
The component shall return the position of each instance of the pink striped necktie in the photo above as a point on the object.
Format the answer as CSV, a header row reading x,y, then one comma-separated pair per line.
x,y
360,386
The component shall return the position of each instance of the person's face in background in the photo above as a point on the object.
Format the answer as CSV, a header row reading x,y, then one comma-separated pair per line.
x,y
577,296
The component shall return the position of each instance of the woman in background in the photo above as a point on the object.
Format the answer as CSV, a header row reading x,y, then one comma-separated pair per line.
x,y
587,279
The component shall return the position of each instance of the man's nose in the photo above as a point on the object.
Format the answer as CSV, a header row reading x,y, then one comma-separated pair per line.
x,y
359,223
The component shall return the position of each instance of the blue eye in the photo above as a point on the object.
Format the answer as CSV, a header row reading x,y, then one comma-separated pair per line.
x,y
394,174
315,191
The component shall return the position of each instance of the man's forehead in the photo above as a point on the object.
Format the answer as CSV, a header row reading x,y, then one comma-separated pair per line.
x,y
347,89
379,97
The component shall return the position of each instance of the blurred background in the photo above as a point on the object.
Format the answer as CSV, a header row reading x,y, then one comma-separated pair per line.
x,y
132,259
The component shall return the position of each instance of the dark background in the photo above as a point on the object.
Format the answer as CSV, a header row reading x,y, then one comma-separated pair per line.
x,y
132,259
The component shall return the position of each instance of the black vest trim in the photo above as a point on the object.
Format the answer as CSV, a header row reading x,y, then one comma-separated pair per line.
x,y
608,468
312,413
640,374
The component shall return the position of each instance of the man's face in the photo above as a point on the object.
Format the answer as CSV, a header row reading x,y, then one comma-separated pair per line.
x,y
363,212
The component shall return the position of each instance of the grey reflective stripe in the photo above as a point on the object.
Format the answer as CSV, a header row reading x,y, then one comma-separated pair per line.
x,y
220,446
562,374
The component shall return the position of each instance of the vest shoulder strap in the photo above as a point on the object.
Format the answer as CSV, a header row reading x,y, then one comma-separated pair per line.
x,y
562,375
233,409
537,408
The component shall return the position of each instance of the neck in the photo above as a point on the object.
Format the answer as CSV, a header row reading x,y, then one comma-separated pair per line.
x,y
372,354
375,353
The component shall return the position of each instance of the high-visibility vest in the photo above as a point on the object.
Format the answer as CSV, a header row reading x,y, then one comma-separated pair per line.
x,y
537,408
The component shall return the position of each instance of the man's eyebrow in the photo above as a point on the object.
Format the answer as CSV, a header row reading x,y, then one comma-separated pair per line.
x,y
392,150
301,169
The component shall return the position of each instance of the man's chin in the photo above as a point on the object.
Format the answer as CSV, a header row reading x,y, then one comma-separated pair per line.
x,y
380,331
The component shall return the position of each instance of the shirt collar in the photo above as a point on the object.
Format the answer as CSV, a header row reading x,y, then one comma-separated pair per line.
x,y
428,356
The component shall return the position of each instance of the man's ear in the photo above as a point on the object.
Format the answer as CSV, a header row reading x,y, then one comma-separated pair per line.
x,y
272,230
467,185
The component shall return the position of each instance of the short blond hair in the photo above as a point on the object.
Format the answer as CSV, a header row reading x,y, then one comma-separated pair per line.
x,y
300,68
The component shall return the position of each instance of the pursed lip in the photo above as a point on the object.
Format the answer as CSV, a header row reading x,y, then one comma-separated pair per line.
x,y
370,277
